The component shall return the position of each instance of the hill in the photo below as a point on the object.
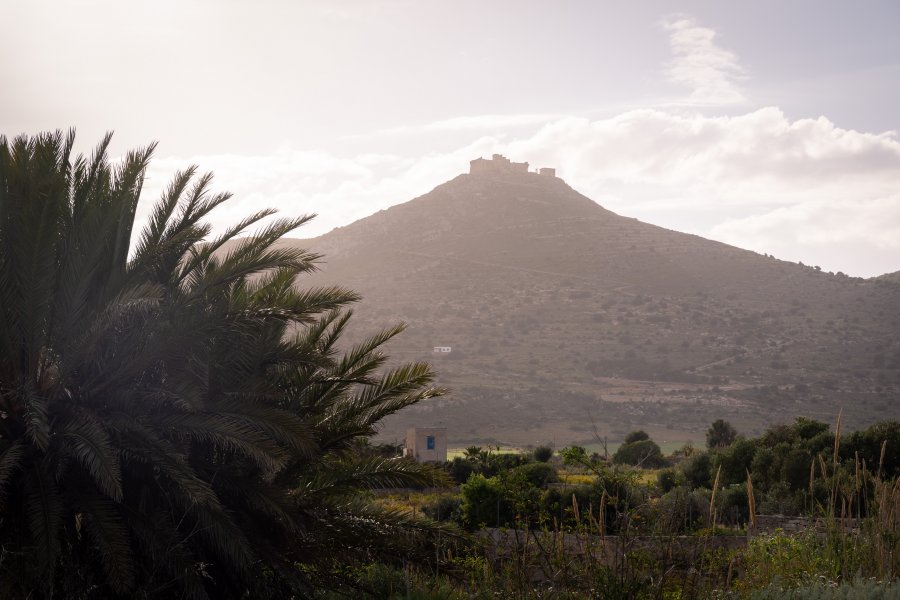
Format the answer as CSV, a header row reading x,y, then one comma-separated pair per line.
x,y
568,322
890,277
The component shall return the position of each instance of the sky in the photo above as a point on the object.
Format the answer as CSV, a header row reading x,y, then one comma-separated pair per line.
x,y
768,125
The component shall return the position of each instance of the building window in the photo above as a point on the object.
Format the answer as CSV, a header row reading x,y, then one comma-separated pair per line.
x,y
429,442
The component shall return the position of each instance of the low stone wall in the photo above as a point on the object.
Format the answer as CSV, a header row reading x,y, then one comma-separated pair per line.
x,y
793,525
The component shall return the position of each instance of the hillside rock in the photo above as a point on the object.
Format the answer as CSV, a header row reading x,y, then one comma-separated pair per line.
x,y
568,322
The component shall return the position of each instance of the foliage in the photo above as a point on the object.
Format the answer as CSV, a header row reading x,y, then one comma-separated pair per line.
x,y
667,480
575,455
460,469
736,460
543,454
642,453
537,474
878,446
792,561
857,590
177,419
484,461
445,508
616,538
636,436
485,502
681,510
721,434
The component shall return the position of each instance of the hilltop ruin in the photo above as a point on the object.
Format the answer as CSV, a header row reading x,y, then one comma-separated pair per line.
x,y
499,164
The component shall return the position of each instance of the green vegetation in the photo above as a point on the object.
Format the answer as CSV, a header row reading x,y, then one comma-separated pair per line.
x,y
639,450
177,419
685,531
720,435
543,453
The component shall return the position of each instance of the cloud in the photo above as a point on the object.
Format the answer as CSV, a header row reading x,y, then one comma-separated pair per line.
x,y
711,72
495,122
860,235
339,189
802,189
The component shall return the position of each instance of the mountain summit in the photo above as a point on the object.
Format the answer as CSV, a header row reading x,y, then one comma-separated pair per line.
x,y
566,322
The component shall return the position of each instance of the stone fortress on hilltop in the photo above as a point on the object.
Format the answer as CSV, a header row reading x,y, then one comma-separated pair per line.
x,y
500,165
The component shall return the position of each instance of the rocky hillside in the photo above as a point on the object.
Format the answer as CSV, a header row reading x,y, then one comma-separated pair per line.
x,y
568,322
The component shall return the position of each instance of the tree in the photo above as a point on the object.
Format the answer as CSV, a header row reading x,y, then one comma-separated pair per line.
x,y
736,460
475,454
720,435
697,470
642,453
177,419
636,436
543,454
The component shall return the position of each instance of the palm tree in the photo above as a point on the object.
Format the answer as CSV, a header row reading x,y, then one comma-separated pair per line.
x,y
176,417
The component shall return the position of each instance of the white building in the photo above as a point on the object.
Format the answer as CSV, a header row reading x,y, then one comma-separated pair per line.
x,y
426,444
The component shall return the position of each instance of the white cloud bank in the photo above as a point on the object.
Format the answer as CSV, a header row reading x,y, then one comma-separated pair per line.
x,y
803,190
800,189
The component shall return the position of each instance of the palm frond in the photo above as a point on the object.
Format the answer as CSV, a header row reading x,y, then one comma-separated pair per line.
x,y
235,433
88,442
44,511
374,473
105,525
10,462
34,409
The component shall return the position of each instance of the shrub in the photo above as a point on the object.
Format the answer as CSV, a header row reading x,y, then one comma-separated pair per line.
x,y
667,480
681,510
643,453
697,469
445,508
538,474
484,502
460,469
720,434
543,454
636,436
736,460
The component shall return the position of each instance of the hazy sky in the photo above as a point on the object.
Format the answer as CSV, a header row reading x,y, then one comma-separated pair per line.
x,y
768,124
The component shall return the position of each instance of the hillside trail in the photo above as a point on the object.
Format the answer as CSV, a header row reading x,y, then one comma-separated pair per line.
x,y
722,361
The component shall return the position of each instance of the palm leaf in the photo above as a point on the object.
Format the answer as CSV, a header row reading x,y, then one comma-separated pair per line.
x,y
44,508
90,445
10,462
106,527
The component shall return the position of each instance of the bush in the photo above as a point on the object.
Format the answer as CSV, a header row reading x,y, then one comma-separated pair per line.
x,y
445,508
538,474
681,511
720,435
643,453
667,480
484,503
736,460
543,454
732,505
636,436
497,463
460,469
696,470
